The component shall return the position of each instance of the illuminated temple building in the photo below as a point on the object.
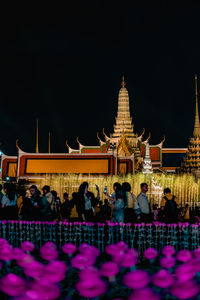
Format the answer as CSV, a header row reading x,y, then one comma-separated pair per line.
x,y
121,152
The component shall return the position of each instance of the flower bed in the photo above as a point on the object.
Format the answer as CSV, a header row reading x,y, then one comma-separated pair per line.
x,y
138,236
86,273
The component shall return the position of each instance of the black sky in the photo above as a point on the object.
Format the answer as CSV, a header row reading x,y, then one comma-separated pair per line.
x,y
65,69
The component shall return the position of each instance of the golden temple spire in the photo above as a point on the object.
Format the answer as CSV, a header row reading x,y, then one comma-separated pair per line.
x,y
123,82
37,148
49,145
196,131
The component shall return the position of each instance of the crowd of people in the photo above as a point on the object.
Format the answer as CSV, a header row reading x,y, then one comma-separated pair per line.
x,y
120,206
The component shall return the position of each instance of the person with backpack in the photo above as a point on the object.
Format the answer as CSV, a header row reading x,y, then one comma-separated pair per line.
x,y
169,207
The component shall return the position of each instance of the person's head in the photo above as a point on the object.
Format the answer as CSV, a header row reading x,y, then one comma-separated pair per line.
x,y
6,187
116,185
83,188
119,192
65,196
33,189
144,187
106,201
46,189
167,191
54,193
10,190
100,203
1,187
126,187
186,206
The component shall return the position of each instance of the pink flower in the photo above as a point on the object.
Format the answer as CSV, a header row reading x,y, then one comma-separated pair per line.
x,y
118,257
185,272
18,253
167,262
91,288
184,255
33,269
184,290
45,289
81,261
6,252
122,246
196,253
111,249
168,250
12,285
163,279
109,269
88,250
150,253
51,275
69,248
130,258
24,260
27,246
49,251
142,294
89,273
136,279
30,295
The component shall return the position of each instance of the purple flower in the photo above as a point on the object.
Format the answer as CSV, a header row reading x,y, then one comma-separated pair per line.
x,y
168,250
167,262
118,257
81,261
30,295
49,251
184,290
185,272
27,246
196,253
91,288
34,269
142,294
50,274
163,279
12,285
18,253
25,260
130,258
184,255
86,249
150,253
6,252
122,246
109,269
89,273
111,249
69,248
136,279
45,289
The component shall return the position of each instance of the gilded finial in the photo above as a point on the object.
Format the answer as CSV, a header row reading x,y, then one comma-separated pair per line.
x,y
77,140
196,85
149,136
98,137
67,144
123,82
163,140
17,146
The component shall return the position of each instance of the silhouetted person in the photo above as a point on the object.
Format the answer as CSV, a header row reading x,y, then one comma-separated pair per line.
x,y
143,202
65,207
170,207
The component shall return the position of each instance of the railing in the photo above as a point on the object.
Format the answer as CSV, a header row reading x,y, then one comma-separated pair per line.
x,y
139,236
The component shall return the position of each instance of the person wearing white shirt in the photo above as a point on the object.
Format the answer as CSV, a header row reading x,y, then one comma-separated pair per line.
x,y
143,202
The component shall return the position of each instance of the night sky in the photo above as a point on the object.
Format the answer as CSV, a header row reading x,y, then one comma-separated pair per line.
x,y
65,69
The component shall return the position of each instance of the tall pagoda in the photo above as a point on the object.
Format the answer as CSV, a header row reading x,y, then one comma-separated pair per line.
x,y
191,161
123,135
